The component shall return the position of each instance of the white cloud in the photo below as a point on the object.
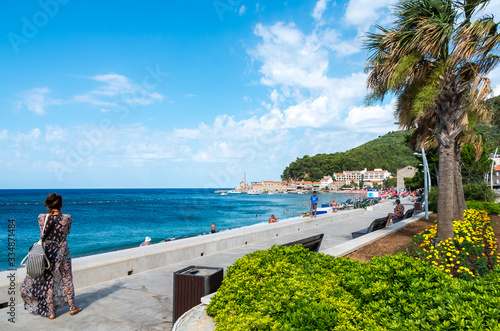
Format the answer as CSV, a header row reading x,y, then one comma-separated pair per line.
x,y
289,57
363,13
332,39
374,119
187,133
55,133
242,10
36,100
319,9
118,90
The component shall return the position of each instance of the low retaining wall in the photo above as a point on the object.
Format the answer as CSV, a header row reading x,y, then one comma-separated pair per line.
x,y
94,269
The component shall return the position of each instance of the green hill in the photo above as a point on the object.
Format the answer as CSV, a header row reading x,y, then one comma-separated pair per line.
x,y
388,152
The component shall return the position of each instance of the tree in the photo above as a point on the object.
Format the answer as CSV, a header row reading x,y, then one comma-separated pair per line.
x,y
434,60
391,182
474,168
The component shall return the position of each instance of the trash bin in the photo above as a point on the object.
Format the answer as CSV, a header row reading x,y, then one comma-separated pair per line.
x,y
191,284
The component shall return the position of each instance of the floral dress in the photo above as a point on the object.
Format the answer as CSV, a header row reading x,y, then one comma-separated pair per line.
x,y
44,295
399,211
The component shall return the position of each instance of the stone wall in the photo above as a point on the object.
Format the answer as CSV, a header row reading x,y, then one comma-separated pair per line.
x,y
406,172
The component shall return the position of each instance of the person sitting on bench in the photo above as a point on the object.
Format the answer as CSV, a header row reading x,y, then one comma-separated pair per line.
x,y
399,211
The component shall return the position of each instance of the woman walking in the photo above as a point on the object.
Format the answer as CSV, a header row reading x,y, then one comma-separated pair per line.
x,y
44,295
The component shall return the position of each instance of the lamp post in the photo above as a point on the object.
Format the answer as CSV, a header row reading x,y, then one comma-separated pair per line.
x,y
492,166
427,181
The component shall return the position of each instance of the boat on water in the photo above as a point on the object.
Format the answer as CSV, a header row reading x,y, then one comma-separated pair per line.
x,y
323,210
223,193
234,192
253,192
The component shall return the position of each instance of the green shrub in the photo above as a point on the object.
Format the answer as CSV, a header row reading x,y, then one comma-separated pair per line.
x,y
491,208
290,288
479,192
472,192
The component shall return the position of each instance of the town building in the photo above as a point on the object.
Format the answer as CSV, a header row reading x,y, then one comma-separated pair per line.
x,y
272,186
258,187
495,158
304,185
363,175
325,182
496,177
406,172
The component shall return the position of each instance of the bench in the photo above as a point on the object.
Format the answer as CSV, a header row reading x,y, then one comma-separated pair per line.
x,y
408,214
377,224
311,243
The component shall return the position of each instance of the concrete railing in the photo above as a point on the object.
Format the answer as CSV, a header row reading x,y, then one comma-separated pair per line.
x,y
94,269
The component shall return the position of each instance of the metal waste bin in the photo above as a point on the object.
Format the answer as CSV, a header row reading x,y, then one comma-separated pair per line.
x,y
191,284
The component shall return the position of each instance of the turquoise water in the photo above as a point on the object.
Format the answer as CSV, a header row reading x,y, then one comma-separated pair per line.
x,y
105,220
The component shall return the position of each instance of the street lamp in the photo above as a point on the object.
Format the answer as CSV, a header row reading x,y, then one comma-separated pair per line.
x,y
492,166
427,181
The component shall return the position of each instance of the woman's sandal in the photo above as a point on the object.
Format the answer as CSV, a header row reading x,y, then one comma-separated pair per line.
x,y
51,317
75,311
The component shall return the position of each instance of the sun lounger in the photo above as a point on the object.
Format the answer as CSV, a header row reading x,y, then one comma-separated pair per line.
x,y
377,224
408,214
311,243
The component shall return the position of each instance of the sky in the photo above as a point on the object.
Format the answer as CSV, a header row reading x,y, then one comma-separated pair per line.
x,y
172,94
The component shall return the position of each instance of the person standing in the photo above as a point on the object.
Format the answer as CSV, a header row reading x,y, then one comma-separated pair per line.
x,y
45,294
335,205
314,204
212,228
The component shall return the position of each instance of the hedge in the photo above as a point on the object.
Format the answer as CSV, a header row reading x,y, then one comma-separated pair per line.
x,y
290,288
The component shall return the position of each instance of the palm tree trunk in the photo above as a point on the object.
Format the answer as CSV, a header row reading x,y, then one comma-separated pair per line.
x,y
460,205
446,193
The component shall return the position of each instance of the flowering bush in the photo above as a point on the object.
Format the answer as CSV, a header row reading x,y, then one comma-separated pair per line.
x,y
290,288
471,253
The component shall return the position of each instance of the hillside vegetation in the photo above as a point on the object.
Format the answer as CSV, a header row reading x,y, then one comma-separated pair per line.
x,y
388,152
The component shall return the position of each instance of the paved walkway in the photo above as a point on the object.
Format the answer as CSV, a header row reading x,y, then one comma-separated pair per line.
x,y
143,301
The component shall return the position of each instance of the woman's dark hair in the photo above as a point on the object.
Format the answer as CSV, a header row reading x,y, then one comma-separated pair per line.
x,y
53,201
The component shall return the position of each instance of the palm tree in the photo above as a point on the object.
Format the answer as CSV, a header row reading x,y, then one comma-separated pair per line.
x,y
434,60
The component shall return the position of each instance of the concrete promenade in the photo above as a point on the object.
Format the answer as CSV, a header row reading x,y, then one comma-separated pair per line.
x,y
143,301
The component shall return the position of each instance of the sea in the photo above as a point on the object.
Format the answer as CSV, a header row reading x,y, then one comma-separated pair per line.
x,y
106,220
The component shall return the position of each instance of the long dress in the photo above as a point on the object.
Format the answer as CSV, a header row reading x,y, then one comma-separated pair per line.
x,y
44,295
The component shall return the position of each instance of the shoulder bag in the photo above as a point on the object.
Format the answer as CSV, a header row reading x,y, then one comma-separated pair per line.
x,y
37,262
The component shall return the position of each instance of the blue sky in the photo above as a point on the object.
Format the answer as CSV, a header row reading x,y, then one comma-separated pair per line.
x,y
182,94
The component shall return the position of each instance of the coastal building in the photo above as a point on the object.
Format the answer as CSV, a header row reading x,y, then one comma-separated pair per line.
x,y
363,175
258,187
304,185
272,186
371,183
243,187
348,175
336,185
325,182
496,177
406,172
377,174
495,158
